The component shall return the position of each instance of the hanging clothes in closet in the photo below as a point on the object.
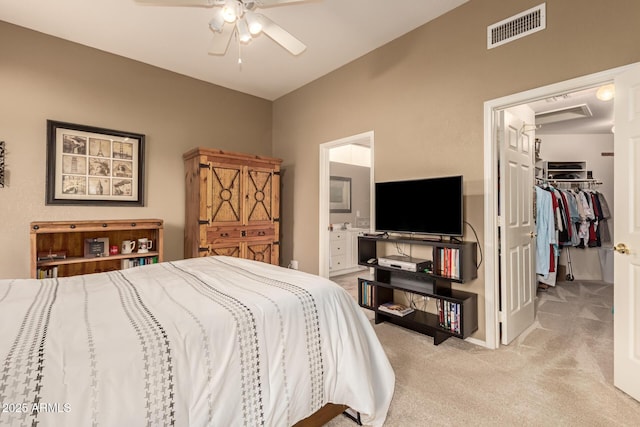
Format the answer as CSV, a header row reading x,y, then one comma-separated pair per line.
x,y
587,212
546,234
567,217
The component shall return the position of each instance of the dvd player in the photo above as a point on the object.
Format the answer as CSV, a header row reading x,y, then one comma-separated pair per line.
x,y
403,262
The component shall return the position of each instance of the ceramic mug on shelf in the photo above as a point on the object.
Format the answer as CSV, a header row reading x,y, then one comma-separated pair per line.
x,y
128,246
144,245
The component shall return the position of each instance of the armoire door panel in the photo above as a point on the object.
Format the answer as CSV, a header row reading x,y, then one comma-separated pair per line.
x,y
260,251
259,195
224,200
232,249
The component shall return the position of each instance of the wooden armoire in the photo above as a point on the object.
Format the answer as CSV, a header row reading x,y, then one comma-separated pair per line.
x,y
232,206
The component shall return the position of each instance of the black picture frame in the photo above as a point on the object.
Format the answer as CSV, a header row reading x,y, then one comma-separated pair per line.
x,y
96,247
339,194
2,154
88,165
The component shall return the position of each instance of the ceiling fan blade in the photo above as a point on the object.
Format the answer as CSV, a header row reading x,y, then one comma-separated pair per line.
x,y
220,42
280,36
263,3
207,3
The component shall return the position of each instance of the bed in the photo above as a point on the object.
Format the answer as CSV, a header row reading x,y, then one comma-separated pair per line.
x,y
214,341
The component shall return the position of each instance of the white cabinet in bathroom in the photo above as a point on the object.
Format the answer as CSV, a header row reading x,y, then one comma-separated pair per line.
x,y
344,251
338,250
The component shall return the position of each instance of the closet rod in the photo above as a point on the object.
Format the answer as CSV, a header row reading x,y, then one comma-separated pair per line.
x,y
592,181
562,183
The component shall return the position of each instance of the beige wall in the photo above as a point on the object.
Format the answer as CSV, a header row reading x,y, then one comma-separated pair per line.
x,y
42,78
423,97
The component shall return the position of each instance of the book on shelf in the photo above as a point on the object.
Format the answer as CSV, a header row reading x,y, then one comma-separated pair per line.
x,y
47,273
137,262
395,309
449,315
367,293
449,265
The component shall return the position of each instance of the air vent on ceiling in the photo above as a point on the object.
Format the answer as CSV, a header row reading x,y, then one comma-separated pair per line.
x,y
562,114
517,26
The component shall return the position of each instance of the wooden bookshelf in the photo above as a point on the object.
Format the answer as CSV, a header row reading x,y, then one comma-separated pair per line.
x,y
69,237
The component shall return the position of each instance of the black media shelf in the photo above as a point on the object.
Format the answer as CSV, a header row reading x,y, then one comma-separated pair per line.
x,y
457,310
419,321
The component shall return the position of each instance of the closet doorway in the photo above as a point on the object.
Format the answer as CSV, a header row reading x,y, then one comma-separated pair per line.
x,y
627,302
346,200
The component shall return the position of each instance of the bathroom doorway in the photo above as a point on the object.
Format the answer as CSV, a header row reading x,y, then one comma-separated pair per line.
x,y
345,202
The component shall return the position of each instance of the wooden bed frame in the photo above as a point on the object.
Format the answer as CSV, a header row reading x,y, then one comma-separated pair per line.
x,y
322,415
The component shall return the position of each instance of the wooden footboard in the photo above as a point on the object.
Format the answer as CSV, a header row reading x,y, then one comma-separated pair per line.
x,y
322,415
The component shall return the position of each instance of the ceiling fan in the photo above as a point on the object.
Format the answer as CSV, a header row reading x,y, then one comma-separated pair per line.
x,y
239,17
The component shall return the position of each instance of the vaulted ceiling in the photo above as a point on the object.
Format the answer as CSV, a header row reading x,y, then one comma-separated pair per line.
x,y
178,38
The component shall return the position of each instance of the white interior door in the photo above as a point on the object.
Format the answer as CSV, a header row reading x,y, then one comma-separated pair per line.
x,y
517,244
626,364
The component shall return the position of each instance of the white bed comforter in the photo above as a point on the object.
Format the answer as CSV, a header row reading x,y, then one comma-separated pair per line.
x,y
212,341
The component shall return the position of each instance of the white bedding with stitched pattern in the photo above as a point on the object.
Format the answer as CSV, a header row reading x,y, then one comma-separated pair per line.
x,y
214,341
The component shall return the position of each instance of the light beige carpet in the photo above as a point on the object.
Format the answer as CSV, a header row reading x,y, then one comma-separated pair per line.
x,y
558,373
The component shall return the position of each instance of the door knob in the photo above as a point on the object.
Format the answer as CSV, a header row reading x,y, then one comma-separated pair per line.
x,y
532,234
621,248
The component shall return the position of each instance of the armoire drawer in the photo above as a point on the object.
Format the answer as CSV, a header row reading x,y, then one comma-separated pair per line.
x,y
260,232
222,234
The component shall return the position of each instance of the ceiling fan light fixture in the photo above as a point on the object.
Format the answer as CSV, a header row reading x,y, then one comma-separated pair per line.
x,y
217,22
243,31
253,21
230,11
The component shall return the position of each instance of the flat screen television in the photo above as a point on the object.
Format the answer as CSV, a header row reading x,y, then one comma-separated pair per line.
x,y
431,206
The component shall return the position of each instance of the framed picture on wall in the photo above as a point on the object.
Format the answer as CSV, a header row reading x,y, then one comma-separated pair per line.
x,y
2,152
339,194
87,165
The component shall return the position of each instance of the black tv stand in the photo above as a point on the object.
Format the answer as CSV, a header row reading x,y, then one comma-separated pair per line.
x,y
456,312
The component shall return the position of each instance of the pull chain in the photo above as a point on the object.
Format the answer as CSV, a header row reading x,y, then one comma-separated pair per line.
x,y
239,50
